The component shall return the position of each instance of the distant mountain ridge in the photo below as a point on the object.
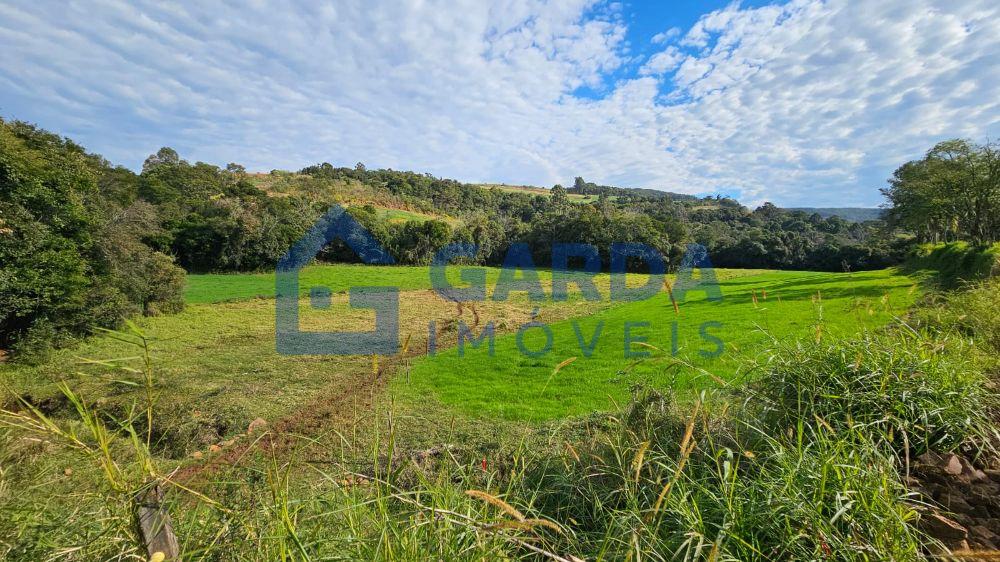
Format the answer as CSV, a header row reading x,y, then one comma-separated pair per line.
x,y
583,191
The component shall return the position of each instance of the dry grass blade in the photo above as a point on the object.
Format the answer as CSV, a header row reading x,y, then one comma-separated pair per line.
x,y
673,301
556,370
971,555
496,502
639,456
526,525
686,447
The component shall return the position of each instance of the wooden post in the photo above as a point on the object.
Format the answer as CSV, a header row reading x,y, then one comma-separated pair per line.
x,y
154,525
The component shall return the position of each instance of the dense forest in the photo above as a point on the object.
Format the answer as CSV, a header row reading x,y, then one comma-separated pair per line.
x,y
85,243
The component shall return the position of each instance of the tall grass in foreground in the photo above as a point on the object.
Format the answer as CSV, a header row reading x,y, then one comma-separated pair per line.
x,y
804,462
726,489
973,314
899,389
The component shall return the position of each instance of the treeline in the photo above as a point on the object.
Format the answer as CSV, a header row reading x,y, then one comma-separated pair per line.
x,y
735,236
73,243
216,219
583,187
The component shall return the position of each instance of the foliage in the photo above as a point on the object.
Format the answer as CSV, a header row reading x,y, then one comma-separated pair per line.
x,y
736,237
973,314
217,220
71,248
953,193
665,484
956,263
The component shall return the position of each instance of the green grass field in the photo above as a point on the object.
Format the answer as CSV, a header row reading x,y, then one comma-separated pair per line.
x,y
223,287
400,215
216,370
218,367
798,305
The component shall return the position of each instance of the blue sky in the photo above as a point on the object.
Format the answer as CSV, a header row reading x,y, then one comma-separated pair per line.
x,y
803,103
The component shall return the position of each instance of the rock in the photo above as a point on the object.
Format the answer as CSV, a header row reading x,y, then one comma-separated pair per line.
x,y
963,519
929,458
982,535
952,465
956,503
987,488
959,546
942,528
255,425
214,449
933,475
966,463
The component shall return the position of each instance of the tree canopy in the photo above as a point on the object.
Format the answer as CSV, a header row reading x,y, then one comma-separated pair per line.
x,y
953,193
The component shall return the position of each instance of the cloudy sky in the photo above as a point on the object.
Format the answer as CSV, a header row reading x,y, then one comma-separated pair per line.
x,y
808,102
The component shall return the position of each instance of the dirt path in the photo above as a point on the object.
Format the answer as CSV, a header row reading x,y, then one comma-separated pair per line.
x,y
337,405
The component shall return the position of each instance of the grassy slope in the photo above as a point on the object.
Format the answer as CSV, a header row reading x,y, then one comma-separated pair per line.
x,y
530,190
400,215
513,386
956,263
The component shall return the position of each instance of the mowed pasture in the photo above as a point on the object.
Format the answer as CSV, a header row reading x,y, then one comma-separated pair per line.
x,y
699,344
217,367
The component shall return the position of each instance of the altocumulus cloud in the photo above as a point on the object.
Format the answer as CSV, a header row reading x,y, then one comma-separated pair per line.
x,y
806,102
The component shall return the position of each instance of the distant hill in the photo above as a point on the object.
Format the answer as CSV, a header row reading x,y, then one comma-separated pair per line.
x,y
583,187
851,214
586,192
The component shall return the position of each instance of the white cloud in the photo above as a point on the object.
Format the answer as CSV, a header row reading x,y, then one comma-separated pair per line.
x,y
664,61
809,102
665,36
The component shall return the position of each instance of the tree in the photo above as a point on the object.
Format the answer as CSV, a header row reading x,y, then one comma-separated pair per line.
x,y
72,255
952,193
165,155
559,196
